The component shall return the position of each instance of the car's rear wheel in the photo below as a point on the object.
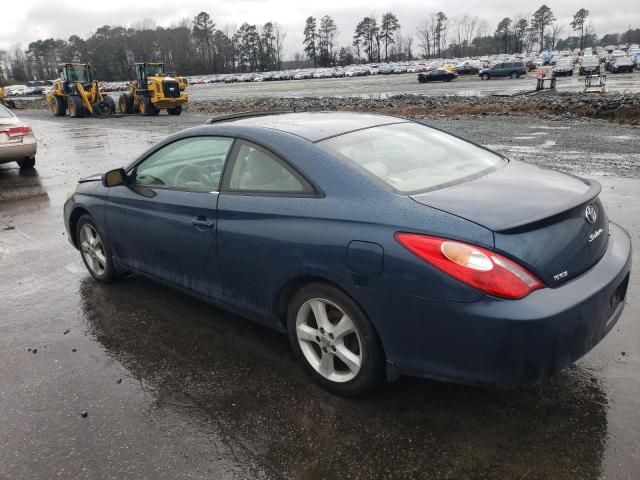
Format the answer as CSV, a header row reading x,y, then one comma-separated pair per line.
x,y
514,75
94,250
335,340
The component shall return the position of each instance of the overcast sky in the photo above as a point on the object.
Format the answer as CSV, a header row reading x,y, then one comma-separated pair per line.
x,y
24,21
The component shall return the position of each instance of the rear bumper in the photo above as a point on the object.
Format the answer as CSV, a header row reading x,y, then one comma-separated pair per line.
x,y
502,342
10,152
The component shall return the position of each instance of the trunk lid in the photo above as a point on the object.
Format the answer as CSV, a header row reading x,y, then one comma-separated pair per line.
x,y
538,216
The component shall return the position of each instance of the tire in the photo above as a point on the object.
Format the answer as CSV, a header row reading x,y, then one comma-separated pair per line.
x,y
513,75
26,162
145,107
485,76
58,107
111,103
76,108
175,110
125,102
100,266
421,80
314,343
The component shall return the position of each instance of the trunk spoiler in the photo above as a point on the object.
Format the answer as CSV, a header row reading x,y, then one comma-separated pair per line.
x,y
594,190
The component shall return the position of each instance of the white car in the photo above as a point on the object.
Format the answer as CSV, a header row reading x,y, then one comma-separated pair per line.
x,y
17,141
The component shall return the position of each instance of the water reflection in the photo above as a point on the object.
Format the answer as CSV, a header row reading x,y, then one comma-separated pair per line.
x,y
21,188
244,379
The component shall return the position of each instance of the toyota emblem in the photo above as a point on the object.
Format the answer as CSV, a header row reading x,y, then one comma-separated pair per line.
x,y
591,214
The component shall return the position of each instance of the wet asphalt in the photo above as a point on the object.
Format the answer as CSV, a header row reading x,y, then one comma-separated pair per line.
x,y
173,388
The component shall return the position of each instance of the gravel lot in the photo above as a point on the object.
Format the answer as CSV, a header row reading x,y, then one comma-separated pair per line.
x,y
174,388
382,86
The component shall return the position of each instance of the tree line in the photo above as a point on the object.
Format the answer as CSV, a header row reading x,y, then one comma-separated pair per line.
x,y
376,40
198,46
190,47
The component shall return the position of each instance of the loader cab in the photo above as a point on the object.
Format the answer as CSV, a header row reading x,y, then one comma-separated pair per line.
x,y
146,70
74,73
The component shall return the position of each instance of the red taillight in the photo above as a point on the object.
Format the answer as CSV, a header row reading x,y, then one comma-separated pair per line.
x,y
478,267
13,132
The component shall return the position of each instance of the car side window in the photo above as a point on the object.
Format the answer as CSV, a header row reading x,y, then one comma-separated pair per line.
x,y
255,169
193,163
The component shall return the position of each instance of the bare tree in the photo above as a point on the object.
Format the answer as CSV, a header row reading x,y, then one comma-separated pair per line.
x,y
465,28
426,36
554,33
280,37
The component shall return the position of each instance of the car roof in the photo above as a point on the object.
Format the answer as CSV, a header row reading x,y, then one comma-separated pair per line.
x,y
316,126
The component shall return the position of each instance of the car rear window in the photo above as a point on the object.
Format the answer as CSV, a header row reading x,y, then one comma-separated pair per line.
x,y
411,157
4,113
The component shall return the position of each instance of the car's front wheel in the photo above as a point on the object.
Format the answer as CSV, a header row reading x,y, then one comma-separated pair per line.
x,y
27,162
94,250
335,340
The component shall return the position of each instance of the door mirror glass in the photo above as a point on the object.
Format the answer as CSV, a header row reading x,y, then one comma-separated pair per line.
x,y
113,178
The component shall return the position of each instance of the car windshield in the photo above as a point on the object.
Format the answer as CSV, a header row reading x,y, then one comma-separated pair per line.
x,y
411,157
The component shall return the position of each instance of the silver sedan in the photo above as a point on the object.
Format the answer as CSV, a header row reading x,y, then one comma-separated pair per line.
x,y
17,141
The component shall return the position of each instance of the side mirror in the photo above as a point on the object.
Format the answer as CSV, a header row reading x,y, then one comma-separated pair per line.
x,y
113,178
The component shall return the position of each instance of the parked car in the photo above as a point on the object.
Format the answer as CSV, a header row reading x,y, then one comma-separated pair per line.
x,y
437,76
17,141
589,66
563,68
467,70
621,65
380,245
505,69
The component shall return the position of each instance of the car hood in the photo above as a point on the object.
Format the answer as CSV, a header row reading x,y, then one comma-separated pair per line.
x,y
91,178
515,195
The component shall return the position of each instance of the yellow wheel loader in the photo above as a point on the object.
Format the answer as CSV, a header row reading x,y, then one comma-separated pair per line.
x,y
5,101
152,90
77,92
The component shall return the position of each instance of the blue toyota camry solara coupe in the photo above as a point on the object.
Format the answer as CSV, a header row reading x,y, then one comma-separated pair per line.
x,y
380,245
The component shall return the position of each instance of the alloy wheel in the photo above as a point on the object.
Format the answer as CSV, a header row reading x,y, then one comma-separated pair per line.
x,y
92,250
329,340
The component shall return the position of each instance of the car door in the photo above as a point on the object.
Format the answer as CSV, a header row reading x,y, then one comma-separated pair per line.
x,y
163,221
262,206
497,70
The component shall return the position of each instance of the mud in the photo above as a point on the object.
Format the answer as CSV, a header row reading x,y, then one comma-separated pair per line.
x,y
174,388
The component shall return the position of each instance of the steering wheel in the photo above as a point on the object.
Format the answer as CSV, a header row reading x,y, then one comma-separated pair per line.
x,y
190,174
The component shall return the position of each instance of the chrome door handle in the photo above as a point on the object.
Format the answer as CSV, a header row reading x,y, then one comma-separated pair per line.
x,y
202,223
